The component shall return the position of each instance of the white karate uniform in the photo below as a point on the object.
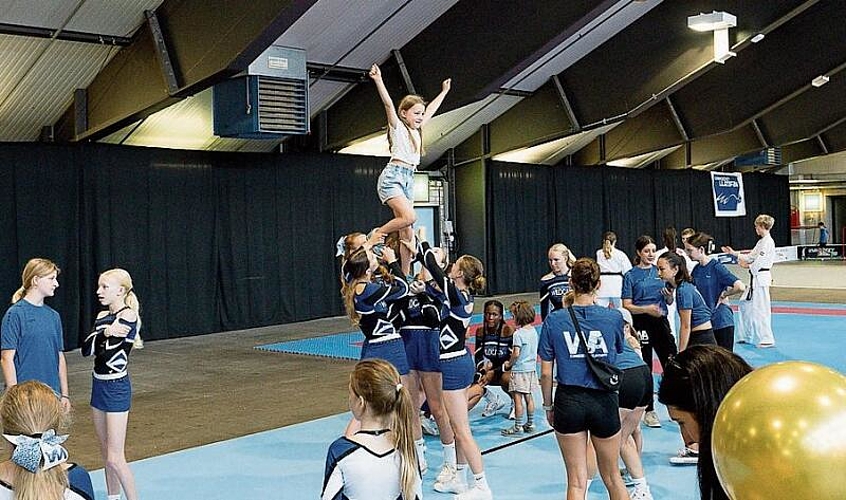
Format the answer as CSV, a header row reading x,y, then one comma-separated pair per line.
x,y
611,280
755,315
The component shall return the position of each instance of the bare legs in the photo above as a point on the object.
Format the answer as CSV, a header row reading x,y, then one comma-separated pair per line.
x,y
404,219
111,432
574,450
466,447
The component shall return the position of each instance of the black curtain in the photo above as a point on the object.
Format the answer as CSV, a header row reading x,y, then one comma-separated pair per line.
x,y
580,216
630,207
575,205
213,241
40,218
521,220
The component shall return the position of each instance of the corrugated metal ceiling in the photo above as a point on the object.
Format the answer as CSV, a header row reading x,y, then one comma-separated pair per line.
x,y
38,76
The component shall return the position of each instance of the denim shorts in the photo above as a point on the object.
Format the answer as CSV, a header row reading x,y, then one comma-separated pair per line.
x,y
111,396
395,181
457,372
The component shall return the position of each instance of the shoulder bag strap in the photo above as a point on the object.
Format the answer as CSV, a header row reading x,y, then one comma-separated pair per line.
x,y
579,330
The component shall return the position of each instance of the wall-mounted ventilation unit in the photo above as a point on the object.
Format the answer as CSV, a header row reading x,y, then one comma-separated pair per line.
x,y
269,102
764,158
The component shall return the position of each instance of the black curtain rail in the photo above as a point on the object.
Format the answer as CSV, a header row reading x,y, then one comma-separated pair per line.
x,y
71,36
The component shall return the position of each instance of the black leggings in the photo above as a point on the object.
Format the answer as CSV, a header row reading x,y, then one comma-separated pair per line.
x,y
654,333
725,337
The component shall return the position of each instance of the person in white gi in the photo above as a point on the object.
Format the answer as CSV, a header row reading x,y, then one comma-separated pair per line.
x,y
755,311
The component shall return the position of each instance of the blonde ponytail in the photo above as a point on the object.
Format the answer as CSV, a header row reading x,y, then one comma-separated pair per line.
x,y
34,268
404,441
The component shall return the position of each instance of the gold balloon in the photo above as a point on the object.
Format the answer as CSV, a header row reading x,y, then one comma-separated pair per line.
x,y
780,433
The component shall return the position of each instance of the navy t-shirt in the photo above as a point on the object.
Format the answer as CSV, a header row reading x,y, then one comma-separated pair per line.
x,y
711,279
559,342
643,287
689,298
35,334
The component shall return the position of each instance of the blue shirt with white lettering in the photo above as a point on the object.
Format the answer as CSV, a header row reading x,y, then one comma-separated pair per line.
x,y
559,342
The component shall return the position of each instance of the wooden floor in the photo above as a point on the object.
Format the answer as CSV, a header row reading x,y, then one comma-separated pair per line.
x,y
209,388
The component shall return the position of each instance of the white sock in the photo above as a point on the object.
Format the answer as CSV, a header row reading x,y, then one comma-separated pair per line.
x,y
639,482
114,497
449,454
460,473
420,446
588,484
481,482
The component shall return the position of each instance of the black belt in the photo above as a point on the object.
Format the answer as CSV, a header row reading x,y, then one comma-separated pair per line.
x,y
610,274
752,281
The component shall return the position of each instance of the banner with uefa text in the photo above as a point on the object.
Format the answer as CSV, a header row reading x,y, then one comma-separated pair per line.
x,y
729,200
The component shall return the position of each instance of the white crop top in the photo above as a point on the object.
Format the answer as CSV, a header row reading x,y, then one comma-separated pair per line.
x,y
403,148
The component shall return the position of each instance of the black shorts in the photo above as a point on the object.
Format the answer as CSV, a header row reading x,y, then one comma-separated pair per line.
x,y
636,387
578,409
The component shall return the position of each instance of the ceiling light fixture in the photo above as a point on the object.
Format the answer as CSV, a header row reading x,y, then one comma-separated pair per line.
x,y
757,38
819,81
719,23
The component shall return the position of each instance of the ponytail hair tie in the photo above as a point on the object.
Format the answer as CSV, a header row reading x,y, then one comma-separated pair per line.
x,y
399,386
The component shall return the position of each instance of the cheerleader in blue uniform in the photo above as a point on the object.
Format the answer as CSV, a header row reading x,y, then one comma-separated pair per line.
x,y
494,339
642,296
417,317
115,330
454,292
554,285
378,462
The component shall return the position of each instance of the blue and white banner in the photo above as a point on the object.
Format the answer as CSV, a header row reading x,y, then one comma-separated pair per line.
x,y
729,200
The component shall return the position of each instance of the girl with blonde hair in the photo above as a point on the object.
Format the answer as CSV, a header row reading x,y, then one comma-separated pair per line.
x,y
405,139
31,336
554,285
111,341
33,421
379,461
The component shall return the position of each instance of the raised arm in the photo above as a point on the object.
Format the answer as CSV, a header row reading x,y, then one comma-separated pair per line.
x,y
390,110
433,106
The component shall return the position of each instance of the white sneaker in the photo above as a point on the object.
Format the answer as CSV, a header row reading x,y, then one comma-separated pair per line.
x,y
650,418
685,456
429,426
475,493
641,492
446,474
452,484
494,405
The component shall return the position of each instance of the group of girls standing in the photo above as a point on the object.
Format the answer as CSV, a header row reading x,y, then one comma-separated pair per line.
x,y
34,365
417,329
414,337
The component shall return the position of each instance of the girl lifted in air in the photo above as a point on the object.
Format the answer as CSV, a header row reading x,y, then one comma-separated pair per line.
x,y
405,138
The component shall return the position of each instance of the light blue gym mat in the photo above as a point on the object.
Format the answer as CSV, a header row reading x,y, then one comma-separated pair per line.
x,y
288,463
